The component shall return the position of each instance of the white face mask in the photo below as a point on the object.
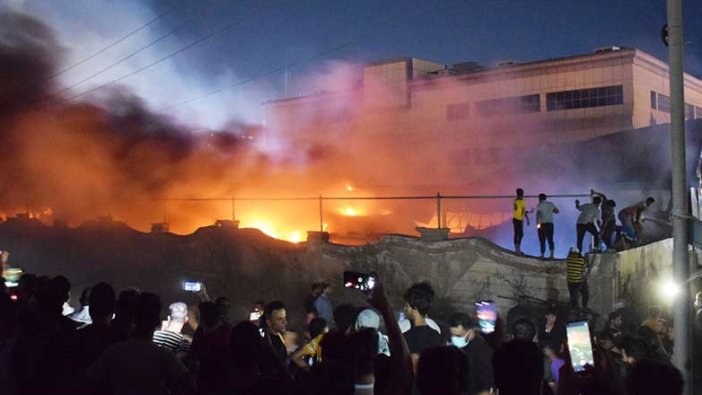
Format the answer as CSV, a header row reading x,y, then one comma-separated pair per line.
x,y
459,341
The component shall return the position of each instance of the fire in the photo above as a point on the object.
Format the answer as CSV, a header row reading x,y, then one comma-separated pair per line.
x,y
352,211
275,230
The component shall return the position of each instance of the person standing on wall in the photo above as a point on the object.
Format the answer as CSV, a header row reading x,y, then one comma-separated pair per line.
x,y
589,214
520,214
544,223
609,222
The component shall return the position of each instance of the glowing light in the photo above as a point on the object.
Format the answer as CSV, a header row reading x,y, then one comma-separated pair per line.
x,y
668,289
275,231
349,187
295,236
349,211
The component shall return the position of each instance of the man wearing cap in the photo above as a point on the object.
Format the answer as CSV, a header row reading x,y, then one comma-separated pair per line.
x,y
464,335
369,318
323,304
575,275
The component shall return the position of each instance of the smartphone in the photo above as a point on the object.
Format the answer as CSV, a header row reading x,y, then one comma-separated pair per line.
x,y
580,345
192,286
361,281
487,315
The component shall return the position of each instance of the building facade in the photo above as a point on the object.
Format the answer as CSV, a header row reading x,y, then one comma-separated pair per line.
x,y
551,101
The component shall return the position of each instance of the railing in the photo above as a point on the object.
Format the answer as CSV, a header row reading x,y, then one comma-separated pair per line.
x,y
438,198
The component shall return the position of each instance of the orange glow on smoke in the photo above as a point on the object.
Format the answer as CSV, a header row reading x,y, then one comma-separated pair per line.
x,y
274,229
349,211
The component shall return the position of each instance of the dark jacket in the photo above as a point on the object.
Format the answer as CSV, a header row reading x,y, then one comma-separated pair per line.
x,y
481,376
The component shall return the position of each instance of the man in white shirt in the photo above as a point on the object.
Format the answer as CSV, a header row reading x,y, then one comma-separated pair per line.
x,y
589,213
544,223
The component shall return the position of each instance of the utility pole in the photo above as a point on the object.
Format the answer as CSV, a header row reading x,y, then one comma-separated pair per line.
x,y
681,269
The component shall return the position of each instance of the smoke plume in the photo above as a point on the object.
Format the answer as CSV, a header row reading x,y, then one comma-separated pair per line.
x,y
112,155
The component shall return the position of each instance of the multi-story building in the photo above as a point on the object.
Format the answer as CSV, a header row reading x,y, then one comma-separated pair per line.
x,y
565,99
412,125
473,114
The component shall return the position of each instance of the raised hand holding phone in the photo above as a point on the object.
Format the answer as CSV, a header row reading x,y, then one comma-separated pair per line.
x,y
580,345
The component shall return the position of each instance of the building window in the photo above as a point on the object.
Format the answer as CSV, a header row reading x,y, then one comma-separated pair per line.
x,y
664,103
584,98
509,105
698,112
457,111
689,111
654,102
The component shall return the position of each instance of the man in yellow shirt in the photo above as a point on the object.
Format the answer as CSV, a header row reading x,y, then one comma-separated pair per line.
x,y
520,214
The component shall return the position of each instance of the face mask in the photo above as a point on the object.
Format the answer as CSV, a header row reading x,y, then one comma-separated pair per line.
x,y
459,342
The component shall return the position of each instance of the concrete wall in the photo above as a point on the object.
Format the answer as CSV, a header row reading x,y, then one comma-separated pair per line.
x,y
641,270
461,271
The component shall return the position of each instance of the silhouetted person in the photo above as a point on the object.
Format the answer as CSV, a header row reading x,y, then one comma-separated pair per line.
x,y
654,377
27,287
223,307
519,364
365,349
137,365
250,358
124,314
95,338
336,345
210,349
443,371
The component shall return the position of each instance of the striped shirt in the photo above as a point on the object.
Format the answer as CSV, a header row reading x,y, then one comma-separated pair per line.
x,y
172,341
576,268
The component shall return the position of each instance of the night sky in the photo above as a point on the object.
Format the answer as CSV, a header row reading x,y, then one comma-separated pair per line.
x,y
254,38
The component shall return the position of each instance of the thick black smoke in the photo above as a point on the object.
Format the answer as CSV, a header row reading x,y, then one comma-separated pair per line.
x,y
108,155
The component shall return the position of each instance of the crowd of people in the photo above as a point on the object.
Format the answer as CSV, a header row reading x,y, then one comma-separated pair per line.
x,y
596,218
119,343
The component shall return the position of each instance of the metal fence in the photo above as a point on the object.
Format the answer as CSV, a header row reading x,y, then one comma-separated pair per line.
x,y
438,200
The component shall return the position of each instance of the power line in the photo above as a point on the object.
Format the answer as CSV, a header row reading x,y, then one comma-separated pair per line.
x,y
154,63
133,32
273,71
257,76
149,45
